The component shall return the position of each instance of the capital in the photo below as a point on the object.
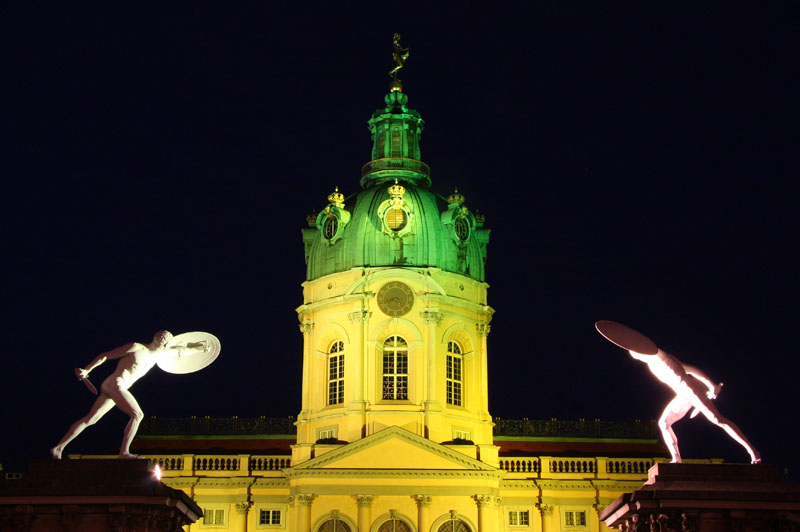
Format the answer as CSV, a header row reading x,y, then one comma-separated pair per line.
x,y
432,316
359,316
483,328
307,327
304,499
364,501
484,501
545,509
423,501
243,507
599,507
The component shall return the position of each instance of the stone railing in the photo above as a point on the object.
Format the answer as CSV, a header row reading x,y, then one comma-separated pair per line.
x,y
578,467
581,428
396,163
216,465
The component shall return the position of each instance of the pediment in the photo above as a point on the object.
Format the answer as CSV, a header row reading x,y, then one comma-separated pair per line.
x,y
394,448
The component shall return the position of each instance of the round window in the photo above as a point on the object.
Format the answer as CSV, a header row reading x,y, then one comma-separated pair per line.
x,y
462,228
395,219
330,227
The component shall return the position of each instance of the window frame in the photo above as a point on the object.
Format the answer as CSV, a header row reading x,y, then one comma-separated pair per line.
x,y
395,376
454,374
214,508
335,377
281,508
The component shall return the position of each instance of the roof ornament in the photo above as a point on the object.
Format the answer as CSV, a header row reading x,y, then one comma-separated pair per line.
x,y
455,198
399,55
396,191
336,197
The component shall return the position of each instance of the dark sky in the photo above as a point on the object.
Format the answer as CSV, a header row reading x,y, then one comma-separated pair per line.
x,y
636,164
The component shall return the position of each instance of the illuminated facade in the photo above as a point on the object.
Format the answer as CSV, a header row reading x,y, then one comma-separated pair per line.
x,y
394,432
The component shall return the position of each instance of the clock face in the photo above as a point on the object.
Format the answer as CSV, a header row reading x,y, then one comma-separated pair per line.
x,y
395,299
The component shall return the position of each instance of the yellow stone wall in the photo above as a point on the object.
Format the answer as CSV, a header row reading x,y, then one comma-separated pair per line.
x,y
343,307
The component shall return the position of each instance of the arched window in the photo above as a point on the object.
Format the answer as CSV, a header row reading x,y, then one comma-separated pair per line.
x,y
394,525
395,368
334,525
454,373
336,373
454,525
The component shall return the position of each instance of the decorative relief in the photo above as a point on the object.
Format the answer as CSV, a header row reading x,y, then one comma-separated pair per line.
x,y
483,328
545,509
432,316
484,501
599,507
243,507
662,522
307,327
304,499
360,316
422,500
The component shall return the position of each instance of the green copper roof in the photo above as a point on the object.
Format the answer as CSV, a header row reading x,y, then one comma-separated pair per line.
x,y
395,220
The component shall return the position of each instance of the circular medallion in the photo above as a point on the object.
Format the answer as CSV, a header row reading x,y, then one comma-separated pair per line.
x,y
395,299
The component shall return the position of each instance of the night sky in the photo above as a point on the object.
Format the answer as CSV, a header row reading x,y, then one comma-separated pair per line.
x,y
634,164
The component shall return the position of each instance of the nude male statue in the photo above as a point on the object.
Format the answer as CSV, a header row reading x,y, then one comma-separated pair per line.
x,y
693,389
135,360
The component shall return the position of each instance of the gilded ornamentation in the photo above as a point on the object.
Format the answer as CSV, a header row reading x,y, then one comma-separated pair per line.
x,y
336,197
400,56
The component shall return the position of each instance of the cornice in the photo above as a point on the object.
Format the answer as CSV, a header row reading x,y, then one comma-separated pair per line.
x,y
562,484
393,473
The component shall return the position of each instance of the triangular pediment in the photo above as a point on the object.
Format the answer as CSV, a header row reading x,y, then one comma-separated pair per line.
x,y
394,448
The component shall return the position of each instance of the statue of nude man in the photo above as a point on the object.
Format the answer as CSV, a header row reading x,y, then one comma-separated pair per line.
x,y
693,389
135,360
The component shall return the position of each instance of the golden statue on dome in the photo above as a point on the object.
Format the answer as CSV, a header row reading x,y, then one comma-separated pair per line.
x,y
400,55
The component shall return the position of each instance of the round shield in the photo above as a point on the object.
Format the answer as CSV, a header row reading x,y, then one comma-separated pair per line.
x,y
190,352
626,338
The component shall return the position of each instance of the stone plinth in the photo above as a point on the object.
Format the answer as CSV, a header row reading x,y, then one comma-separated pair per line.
x,y
93,496
708,497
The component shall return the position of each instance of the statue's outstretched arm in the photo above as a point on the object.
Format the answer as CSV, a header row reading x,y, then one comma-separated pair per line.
x,y
119,352
698,374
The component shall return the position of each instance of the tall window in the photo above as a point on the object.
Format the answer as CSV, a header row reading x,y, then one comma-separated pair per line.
x,y
454,362
395,368
336,373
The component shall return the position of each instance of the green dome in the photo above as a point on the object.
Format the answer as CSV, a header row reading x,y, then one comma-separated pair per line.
x,y
395,220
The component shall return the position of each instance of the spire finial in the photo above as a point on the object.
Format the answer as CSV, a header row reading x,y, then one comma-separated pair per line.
x,y
400,55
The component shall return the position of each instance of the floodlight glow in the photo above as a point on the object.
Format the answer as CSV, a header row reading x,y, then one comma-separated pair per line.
x,y
157,472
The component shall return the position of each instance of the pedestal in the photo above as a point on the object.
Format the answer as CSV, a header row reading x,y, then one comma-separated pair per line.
x,y
708,497
93,496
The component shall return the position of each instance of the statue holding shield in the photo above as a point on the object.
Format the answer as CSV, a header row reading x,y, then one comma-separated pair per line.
x,y
184,353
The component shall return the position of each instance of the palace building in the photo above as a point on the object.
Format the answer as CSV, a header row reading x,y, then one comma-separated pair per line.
x,y
394,432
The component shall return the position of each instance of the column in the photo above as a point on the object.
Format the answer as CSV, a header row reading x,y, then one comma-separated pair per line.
x,y
243,508
359,319
483,331
485,505
545,510
432,317
306,327
304,512
423,512
364,512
